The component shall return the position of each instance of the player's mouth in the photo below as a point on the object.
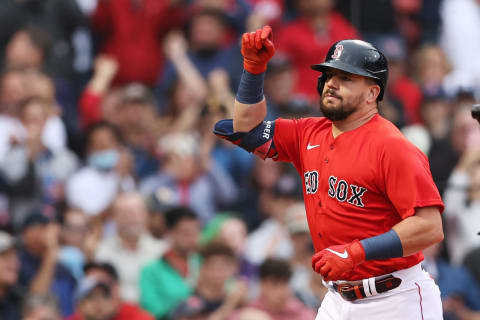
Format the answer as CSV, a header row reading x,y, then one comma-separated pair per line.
x,y
330,94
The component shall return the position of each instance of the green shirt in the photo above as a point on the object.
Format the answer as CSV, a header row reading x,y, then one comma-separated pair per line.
x,y
162,288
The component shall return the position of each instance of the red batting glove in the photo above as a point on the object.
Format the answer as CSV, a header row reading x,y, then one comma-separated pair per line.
x,y
334,261
257,49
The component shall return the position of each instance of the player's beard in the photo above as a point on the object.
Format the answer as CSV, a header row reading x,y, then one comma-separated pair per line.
x,y
341,111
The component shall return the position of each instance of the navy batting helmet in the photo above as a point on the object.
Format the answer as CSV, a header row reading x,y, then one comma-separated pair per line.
x,y
356,57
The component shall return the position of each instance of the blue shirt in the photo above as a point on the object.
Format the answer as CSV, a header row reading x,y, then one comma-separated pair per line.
x,y
454,280
63,283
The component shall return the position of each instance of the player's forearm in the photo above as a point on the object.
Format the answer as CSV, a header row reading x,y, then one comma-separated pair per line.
x,y
248,116
420,231
250,107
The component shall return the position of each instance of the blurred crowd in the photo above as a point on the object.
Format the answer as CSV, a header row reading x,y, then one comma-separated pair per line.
x,y
117,201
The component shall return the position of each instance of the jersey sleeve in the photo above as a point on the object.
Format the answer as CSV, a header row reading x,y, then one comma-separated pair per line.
x,y
407,177
287,140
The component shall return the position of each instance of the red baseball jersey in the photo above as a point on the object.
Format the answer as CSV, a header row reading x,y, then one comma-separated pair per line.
x,y
357,185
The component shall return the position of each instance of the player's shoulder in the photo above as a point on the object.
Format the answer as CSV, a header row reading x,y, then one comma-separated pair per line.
x,y
390,139
304,123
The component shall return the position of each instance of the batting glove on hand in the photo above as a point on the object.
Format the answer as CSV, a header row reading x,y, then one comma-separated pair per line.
x,y
257,49
334,261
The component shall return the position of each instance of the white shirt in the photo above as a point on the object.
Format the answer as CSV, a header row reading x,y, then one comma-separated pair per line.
x,y
92,190
128,262
271,239
462,220
460,39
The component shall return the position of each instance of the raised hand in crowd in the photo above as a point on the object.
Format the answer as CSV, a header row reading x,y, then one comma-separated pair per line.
x,y
219,84
176,48
105,69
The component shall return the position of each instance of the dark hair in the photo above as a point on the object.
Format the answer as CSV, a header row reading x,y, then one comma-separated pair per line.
x,y
217,14
40,38
104,266
275,269
216,248
103,125
175,215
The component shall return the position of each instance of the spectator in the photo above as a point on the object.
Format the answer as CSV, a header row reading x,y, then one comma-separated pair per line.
x,y
170,279
459,39
400,86
253,314
60,19
96,98
108,171
459,291
437,113
462,203
74,230
41,307
472,263
262,179
28,48
195,179
17,86
97,297
431,69
271,239
131,247
279,88
276,298
39,267
207,52
136,29
11,294
193,308
138,113
307,39
219,293
158,203
232,231
235,161
34,173
305,284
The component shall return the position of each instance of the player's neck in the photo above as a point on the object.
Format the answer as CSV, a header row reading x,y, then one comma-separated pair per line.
x,y
354,121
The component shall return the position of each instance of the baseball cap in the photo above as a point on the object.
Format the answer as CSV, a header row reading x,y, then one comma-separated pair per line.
x,y
35,218
107,267
87,285
193,306
6,242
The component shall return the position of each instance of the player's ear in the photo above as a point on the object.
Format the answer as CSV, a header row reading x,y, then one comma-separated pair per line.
x,y
373,92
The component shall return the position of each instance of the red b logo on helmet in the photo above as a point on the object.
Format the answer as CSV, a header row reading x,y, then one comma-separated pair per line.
x,y
338,51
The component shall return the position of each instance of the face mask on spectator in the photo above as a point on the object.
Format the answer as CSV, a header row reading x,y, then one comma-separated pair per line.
x,y
104,160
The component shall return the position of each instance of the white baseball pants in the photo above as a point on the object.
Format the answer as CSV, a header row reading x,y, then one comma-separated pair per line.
x,y
417,298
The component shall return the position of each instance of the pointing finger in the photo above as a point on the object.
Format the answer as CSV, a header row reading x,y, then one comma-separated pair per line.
x,y
267,33
258,40
251,39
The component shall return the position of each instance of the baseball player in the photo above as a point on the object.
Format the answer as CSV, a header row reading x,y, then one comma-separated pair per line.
x,y
370,199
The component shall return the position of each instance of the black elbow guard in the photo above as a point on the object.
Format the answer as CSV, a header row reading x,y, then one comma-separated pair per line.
x,y
258,141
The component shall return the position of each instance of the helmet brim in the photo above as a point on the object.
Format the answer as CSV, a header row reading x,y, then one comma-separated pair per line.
x,y
339,65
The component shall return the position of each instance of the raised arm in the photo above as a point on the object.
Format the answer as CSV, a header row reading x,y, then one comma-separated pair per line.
x,y
250,107
247,128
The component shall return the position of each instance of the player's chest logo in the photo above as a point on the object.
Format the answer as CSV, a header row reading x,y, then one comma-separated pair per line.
x,y
343,191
